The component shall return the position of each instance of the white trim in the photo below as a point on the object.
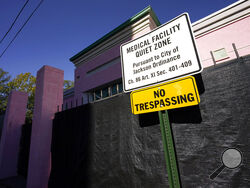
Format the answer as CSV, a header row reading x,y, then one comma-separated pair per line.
x,y
118,38
221,11
219,24
221,18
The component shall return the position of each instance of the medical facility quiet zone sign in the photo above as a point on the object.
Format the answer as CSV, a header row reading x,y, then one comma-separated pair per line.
x,y
164,54
175,94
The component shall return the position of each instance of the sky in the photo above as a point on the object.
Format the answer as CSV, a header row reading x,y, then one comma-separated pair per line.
x,y
59,29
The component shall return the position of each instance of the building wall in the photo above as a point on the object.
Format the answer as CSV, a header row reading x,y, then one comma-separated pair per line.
x,y
68,100
85,82
104,145
218,30
237,32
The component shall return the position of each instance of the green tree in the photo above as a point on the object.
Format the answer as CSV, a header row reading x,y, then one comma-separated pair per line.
x,y
27,83
23,82
68,84
4,79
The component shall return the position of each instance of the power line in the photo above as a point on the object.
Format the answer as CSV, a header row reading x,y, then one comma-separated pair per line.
x,y
22,27
14,21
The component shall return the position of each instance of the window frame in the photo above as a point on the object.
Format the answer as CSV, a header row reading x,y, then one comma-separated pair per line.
x,y
110,92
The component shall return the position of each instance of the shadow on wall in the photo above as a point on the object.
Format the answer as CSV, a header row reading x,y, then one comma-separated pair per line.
x,y
1,124
70,145
102,145
24,150
189,114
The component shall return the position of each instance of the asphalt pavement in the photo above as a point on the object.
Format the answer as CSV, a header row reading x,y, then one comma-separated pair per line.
x,y
13,182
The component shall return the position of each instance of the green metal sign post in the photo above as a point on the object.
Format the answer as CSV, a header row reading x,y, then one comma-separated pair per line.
x,y
169,150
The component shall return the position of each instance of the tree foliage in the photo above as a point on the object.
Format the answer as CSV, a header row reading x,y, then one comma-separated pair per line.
x,y
68,84
23,82
27,83
4,79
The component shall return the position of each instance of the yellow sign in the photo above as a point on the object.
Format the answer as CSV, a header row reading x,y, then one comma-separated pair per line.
x,y
176,94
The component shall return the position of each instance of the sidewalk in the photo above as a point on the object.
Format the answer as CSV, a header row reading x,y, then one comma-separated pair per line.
x,y
13,182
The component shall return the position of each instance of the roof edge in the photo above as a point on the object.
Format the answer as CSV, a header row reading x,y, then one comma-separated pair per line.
x,y
130,21
218,12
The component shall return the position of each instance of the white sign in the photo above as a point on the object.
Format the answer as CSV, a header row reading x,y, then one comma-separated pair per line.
x,y
220,54
164,54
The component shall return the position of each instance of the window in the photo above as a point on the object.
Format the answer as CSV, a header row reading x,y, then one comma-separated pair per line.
x,y
114,89
105,92
120,87
98,95
91,97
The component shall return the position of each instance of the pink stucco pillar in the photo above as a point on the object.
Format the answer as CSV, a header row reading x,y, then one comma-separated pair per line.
x,y
49,94
11,133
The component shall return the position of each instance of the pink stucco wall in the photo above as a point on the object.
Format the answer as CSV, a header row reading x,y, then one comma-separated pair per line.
x,y
85,83
12,128
69,100
237,32
49,94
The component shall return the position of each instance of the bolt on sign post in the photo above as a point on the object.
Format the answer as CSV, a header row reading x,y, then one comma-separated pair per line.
x,y
161,57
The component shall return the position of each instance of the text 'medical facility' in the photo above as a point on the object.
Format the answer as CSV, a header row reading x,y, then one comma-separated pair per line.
x,y
219,37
